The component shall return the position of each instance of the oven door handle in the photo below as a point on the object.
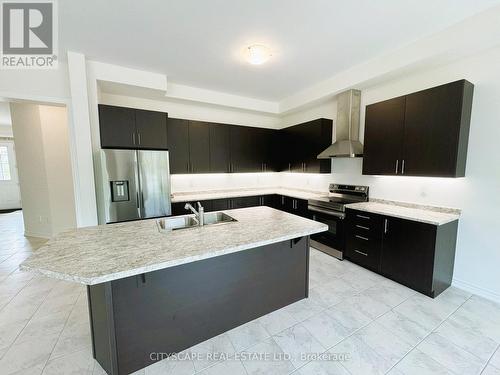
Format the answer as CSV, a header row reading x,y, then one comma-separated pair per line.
x,y
326,212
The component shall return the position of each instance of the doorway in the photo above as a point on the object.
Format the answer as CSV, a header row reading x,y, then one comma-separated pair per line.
x,y
10,195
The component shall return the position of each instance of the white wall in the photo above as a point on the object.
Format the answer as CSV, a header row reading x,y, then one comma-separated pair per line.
x,y
35,84
195,111
222,181
43,161
58,167
31,167
478,194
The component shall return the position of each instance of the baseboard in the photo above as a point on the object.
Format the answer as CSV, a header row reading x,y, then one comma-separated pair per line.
x,y
488,294
35,234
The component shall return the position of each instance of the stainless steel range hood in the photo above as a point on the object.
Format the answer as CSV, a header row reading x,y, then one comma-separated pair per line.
x,y
347,143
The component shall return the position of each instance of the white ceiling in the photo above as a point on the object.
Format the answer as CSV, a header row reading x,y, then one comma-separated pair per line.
x,y
199,43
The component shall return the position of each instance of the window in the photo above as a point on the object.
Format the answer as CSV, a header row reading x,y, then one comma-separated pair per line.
x,y
4,164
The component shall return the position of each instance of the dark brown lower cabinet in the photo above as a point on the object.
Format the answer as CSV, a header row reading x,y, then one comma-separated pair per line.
x,y
137,320
418,255
292,205
363,239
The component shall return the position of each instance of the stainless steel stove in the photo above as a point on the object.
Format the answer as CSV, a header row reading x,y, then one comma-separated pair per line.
x,y
330,210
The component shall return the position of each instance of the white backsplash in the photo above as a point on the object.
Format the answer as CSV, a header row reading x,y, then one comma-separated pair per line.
x,y
421,190
223,181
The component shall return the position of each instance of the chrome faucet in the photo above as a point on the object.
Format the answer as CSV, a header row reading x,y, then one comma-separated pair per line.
x,y
199,215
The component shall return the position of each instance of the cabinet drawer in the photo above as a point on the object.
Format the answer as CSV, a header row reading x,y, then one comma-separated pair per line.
x,y
365,224
366,253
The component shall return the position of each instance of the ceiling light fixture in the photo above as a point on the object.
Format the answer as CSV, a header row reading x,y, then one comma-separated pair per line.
x,y
257,54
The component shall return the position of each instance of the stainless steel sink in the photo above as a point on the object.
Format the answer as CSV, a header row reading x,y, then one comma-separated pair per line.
x,y
211,218
189,221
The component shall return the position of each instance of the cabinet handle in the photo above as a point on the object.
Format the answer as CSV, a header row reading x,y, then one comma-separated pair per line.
x,y
360,252
386,226
282,200
362,238
362,227
187,167
305,167
363,217
133,138
289,167
397,165
403,167
139,137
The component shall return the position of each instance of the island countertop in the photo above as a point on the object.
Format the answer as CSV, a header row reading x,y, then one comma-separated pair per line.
x,y
102,253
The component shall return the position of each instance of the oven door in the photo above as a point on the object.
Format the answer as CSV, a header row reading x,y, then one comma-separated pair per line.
x,y
332,241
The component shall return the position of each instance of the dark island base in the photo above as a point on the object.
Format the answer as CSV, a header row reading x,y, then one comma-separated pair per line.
x,y
170,310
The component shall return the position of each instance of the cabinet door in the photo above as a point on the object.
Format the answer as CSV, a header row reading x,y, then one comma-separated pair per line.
x,y
319,137
178,208
117,127
220,204
199,147
151,129
243,202
268,200
408,253
432,130
220,148
178,145
280,202
244,142
296,149
298,207
384,126
264,149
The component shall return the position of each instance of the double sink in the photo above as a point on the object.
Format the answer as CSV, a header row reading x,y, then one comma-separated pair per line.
x,y
169,224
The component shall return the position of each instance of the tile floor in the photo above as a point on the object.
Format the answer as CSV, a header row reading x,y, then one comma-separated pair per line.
x,y
355,322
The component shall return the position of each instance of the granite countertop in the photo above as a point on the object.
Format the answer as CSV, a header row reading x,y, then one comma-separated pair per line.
x,y
233,193
94,255
424,214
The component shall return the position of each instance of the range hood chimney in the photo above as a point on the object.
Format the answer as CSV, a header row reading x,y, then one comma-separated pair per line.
x,y
347,143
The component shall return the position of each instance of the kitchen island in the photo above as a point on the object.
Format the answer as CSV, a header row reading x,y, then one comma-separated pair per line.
x,y
154,293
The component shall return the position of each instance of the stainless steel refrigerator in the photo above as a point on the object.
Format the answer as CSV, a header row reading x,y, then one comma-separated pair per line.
x,y
136,185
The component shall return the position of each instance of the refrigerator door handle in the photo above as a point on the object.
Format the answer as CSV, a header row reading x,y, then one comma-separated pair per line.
x,y
138,183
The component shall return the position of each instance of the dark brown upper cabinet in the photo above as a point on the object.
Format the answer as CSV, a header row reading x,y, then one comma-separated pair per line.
x,y
205,147
117,127
220,148
151,129
300,145
199,147
384,128
178,145
251,149
188,143
132,128
421,134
